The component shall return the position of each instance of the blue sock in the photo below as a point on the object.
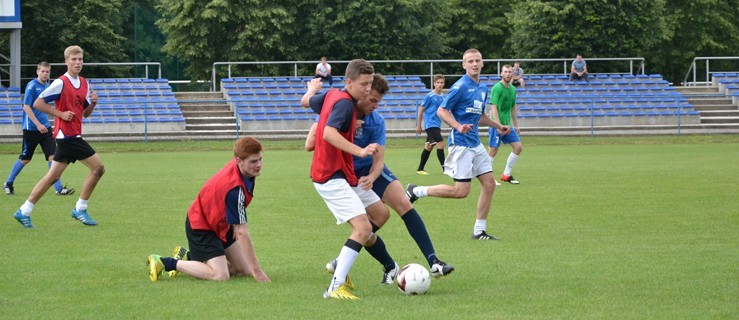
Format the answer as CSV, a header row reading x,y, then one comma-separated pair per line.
x,y
17,167
379,252
169,263
417,230
58,184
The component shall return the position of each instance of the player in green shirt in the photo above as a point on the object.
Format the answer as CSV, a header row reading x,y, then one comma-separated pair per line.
x,y
503,110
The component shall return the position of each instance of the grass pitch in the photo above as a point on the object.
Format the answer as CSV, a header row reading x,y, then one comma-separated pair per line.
x,y
614,228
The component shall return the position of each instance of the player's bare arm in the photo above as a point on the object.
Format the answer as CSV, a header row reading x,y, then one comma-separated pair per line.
x,y
29,112
241,234
332,136
421,110
447,117
93,102
44,107
314,86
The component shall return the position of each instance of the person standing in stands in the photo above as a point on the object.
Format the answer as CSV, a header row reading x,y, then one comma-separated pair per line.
x,y
323,71
74,99
36,131
431,124
518,75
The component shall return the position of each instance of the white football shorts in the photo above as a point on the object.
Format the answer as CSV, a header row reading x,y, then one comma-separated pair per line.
x,y
467,163
345,201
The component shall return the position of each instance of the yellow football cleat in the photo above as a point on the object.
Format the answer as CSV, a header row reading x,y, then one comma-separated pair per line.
x,y
179,253
422,173
342,293
154,262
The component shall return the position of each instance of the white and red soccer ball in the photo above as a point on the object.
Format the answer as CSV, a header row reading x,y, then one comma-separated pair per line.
x,y
414,279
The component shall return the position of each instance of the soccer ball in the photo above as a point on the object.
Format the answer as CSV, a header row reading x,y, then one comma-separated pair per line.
x,y
414,279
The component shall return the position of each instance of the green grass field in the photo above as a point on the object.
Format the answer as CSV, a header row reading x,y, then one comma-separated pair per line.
x,y
605,228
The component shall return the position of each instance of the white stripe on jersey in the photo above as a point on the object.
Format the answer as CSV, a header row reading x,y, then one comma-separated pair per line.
x,y
242,208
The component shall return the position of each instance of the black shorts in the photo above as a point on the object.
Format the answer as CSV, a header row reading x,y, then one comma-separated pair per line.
x,y
31,139
516,83
433,135
69,150
205,244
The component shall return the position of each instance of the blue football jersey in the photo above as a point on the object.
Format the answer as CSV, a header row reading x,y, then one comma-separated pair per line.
x,y
371,131
33,91
431,103
466,102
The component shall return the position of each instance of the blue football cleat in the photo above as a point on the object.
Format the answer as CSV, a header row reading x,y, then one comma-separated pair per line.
x,y
83,217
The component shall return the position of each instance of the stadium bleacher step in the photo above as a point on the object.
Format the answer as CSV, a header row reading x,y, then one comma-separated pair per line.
x,y
714,108
206,111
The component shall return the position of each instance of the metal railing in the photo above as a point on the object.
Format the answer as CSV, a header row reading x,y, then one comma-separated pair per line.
x,y
636,65
158,65
694,69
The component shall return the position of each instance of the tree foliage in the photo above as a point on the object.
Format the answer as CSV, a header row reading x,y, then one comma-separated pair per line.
x,y
696,28
594,28
94,25
198,33
203,32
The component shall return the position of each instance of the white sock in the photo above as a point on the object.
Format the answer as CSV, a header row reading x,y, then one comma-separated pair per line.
x,y
81,204
491,161
480,226
421,191
26,208
512,158
343,264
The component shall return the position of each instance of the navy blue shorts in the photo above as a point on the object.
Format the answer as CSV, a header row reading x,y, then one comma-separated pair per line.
x,y
433,135
384,180
32,139
205,244
70,150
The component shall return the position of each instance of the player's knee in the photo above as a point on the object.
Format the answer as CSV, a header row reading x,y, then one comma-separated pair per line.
x,y
99,171
221,277
25,162
461,193
363,232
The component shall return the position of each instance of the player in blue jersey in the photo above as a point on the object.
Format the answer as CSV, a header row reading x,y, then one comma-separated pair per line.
x,y
463,110
36,131
431,124
384,183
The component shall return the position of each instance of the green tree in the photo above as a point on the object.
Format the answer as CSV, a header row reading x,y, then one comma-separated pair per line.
x,y
594,28
144,40
205,32
697,28
479,24
202,33
94,25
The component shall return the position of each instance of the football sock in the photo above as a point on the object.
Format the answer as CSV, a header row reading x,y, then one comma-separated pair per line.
x,y
492,160
424,157
512,158
58,184
441,156
480,226
81,204
17,167
169,263
417,230
421,191
379,252
347,255
26,208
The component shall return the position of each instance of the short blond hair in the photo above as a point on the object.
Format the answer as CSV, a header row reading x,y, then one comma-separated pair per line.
x,y
71,50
